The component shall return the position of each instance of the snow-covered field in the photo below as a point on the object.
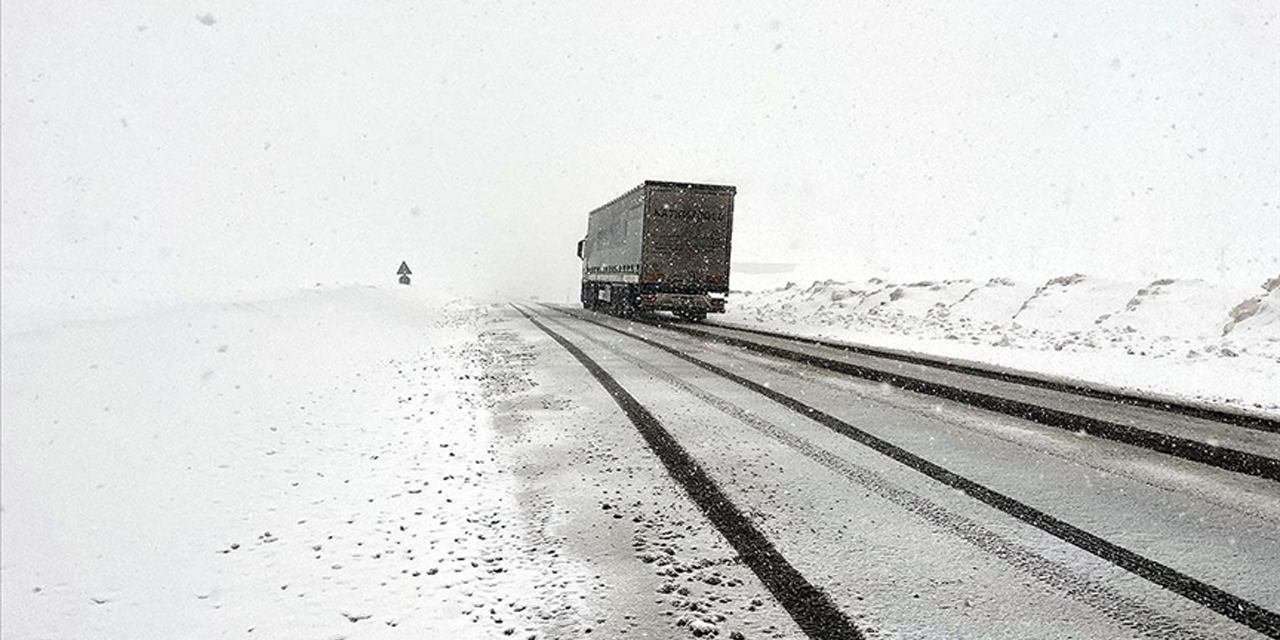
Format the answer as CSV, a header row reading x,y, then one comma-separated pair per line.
x,y
337,462
1182,338
288,467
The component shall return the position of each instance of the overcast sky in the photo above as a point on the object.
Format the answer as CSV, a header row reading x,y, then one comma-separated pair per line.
x,y
285,145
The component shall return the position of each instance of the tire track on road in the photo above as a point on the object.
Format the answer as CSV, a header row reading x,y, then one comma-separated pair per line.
x,y
1229,605
1186,448
1127,612
810,607
1224,416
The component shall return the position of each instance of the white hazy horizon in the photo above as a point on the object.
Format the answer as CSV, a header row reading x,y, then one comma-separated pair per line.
x,y
170,149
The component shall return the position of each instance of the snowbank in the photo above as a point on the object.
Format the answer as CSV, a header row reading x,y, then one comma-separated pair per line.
x,y
1185,338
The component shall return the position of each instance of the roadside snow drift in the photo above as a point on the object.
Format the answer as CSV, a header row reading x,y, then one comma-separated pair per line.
x,y
1184,338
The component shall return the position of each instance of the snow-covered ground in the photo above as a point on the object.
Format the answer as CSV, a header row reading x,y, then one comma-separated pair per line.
x,y
290,467
354,461
1182,338
337,462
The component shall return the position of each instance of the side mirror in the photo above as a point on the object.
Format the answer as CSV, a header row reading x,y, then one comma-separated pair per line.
x,y
581,243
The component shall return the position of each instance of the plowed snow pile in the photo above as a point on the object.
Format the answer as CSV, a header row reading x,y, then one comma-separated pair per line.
x,y
1184,338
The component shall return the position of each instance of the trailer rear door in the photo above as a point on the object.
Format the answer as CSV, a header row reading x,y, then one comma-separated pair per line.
x,y
687,234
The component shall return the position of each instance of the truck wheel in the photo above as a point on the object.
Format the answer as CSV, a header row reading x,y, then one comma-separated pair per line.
x,y
626,305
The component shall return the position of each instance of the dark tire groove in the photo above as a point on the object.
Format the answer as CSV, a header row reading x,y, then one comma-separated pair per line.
x,y
1221,457
1258,423
1211,597
1216,415
811,608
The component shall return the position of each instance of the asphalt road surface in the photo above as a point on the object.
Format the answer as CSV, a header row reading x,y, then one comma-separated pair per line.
x,y
870,510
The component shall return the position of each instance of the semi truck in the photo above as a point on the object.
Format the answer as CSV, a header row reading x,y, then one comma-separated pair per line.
x,y
662,246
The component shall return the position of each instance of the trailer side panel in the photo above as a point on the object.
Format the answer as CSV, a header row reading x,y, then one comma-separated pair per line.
x,y
614,243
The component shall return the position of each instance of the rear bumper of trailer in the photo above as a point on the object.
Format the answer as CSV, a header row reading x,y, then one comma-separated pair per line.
x,y
701,303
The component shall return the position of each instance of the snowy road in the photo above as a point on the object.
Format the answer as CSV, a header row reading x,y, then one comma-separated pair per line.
x,y
903,554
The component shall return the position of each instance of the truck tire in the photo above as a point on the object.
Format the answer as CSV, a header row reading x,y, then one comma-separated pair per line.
x,y
623,301
591,298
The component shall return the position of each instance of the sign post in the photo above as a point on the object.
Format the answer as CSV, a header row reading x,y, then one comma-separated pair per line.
x,y
404,272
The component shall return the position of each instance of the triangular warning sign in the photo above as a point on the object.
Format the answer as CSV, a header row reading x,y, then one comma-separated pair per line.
x,y
404,269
